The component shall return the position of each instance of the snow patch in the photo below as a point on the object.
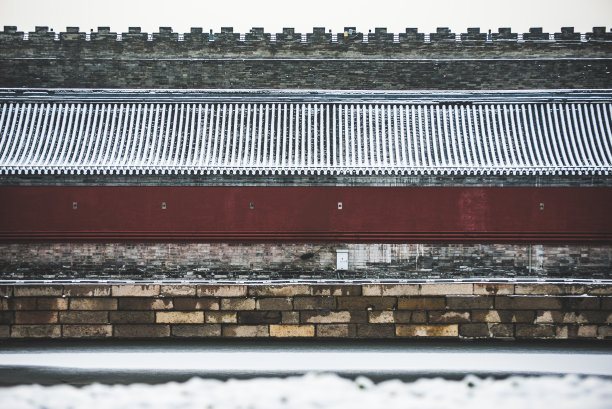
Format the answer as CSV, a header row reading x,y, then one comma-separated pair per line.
x,y
323,391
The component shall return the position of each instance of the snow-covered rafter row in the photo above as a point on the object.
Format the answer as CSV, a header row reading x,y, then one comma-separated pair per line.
x,y
299,138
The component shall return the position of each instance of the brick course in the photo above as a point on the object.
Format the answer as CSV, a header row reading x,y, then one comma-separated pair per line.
x,y
272,311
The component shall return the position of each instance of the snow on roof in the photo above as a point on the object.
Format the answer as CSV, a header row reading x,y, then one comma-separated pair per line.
x,y
60,137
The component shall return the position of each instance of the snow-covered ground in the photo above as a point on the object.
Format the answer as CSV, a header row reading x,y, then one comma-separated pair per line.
x,y
323,391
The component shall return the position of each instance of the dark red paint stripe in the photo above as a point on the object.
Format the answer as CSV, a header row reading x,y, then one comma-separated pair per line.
x,y
306,214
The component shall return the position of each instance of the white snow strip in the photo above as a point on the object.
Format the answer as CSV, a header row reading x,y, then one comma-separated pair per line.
x,y
323,391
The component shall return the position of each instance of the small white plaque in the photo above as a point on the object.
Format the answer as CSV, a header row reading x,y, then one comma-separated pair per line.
x,y
341,259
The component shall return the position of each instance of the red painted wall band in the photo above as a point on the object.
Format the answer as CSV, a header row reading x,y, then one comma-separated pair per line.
x,y
369,214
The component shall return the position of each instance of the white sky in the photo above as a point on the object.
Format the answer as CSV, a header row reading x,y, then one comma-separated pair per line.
x,y
273,15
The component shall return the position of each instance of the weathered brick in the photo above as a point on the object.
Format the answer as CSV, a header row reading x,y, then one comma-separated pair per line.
x,y
191,304
580,303
38,290
132,317
40,303
144,304
562,331
36,331
196,331
421,303
5,331
6,290
570,317
419,317
179,317
86,290
389,317
474,330
469,302
279,290
177,290
93,304
493,289
142,331
21,304
375,330
449,317
245,331
501,330
593,317
291,331
35,317
83,317
587,331
262,317
366,303
336,330
549,289
7,317
567,331
526,302
274,304
447,289
503,316
427,330
323,317
135,290
220,317
4,304
393,290
382,317
604,332
289,317
549,317
51,303
345,290
314,303
237,304
87,331
535,331
208,290
606,303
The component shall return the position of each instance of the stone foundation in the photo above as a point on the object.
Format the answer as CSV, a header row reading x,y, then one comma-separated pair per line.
x,y
373,310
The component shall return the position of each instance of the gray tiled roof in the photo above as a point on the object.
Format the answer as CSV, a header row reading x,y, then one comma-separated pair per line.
x,y
305,138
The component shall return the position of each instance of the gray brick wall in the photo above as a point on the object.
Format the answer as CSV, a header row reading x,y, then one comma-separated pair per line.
x,y
288,260
307,74
380,64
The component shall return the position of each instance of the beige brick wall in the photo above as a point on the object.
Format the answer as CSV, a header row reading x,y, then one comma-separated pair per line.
x,y
369,310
